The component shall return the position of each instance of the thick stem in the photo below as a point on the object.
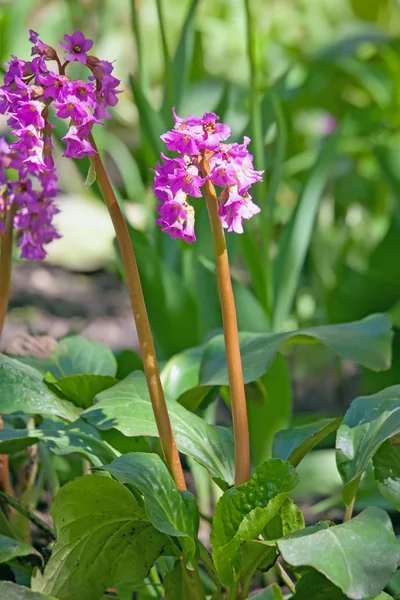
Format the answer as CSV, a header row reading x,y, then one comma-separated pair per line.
x,y
285,578
232,348
142,324
6,242
348,513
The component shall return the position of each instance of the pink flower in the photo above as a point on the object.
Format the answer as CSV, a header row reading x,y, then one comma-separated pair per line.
x,y
76,46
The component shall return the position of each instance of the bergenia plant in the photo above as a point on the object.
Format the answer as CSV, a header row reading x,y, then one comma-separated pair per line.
x,y
128,528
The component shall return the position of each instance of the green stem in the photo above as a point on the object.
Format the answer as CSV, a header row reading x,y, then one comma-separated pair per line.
x,y
169,84
28,514
348,513
231,334
285,578
142,323
6,243
142,75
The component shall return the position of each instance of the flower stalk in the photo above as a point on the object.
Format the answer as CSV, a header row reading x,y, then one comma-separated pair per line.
x,y
231,335
142,323
6,242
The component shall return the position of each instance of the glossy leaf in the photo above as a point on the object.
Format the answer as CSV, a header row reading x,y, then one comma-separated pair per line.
x,y
288,520
76,356
103,540
127,407
11,548
168,509
12,591
294,443
387,472
81,389
243,512
359,556
367,342
79,438
369,422
22,389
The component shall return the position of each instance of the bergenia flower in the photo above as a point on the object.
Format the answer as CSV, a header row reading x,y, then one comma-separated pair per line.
x,y
178,178
30,87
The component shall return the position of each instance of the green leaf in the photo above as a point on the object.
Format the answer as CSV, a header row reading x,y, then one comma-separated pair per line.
x,y
367,342
288,520
169,510
294,443
22,390
359,556
171,306
387,472
183,56
102,540
269,408
81,389
273,592
180,583
75,356
316,586
181,372
91,176
369,422
296,239
127,407
11,548
244,511
151,122
128,361
11,591
78,438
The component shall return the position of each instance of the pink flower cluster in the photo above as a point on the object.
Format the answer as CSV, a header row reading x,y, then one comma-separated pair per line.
x,y
30,87
231,168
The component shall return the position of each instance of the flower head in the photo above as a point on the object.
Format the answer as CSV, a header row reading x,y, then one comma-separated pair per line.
x,y
177,178
30,87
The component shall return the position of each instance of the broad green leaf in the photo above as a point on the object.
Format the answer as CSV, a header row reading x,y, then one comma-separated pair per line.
x,y
243,512
295,241
103,540
11,548
387,472
257,555
81,389
11,591
316,586
273,592
269,408
369,422
78,438
294,443
181,372
128,361
75,356
180,583
22,389
367,342
127,407
169,510
359,556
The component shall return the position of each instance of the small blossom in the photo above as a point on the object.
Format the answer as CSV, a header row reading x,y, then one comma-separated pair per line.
x,y
76,46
